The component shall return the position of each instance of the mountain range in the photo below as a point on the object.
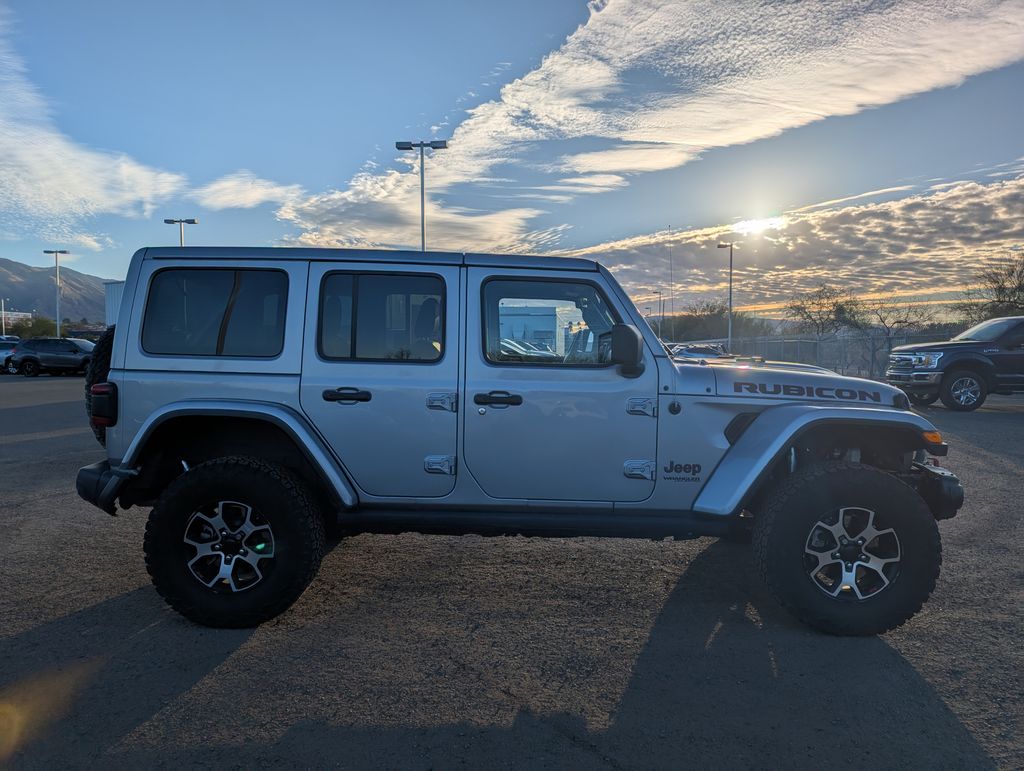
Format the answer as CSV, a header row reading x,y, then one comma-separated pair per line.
x,y
26,288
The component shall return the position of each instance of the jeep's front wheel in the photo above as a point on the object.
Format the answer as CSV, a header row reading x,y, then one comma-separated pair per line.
x,y
848,549
233,542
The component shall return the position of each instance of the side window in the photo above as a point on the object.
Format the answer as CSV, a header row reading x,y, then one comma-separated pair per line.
x,y
548,323
382,317
216,312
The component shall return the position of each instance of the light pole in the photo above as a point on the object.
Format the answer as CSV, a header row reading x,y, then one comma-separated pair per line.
x,y
661,309
181,227
437,144
3,315
671,278
723,246
56,275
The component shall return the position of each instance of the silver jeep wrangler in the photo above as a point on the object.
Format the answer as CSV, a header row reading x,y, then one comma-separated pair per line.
x,y
258,398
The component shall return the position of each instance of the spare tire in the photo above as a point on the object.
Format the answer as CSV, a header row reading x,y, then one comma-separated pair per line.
x,y
99,368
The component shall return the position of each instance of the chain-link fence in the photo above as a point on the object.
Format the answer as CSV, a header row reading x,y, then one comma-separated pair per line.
x,y
860,353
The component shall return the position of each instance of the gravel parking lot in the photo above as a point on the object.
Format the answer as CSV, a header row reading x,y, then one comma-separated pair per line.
x,y
416,652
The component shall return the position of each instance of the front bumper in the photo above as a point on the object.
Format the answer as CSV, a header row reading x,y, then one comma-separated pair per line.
x,y
940,489
99,484
910,380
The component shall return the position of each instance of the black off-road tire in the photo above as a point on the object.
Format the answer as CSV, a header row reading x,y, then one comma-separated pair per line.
x,y
96,372
740,531
923,400
781,533
946,392
30,368
284,503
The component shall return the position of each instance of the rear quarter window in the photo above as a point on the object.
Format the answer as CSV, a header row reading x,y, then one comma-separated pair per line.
x,y
215,312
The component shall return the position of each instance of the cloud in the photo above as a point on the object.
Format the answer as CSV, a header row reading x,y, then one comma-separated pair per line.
x,y
243,190
861,196
50,184
651,85
923,245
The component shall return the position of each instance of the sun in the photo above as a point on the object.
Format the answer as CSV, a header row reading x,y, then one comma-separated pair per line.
x,y
753,227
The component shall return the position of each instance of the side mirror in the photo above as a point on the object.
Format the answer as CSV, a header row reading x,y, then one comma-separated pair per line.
x,y
628,350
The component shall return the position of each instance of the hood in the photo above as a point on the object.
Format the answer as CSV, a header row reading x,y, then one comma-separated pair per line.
x,y
761,364
785,383
947,345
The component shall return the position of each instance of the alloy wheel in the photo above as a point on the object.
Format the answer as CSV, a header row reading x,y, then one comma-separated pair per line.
x,y
965,391
848,557
232,543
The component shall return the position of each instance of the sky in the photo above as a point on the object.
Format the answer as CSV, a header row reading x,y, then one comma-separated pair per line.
x,y
879,145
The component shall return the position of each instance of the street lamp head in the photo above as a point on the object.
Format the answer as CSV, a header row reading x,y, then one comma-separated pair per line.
x,y
725,246
56,251
170,222
403,145
439,144
192,221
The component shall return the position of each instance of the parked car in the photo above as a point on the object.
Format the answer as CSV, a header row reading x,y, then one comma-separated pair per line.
x,y
248,395
962,372
6,346
56,355
522,350
9,338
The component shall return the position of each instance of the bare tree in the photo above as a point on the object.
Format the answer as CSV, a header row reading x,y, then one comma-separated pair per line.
x,y
826,310
708,319
891,317
999,291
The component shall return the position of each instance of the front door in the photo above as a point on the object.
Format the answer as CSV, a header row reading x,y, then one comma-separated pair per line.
x,y
548,417
380,373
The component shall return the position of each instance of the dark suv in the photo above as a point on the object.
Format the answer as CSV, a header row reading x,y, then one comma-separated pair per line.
x,y
987,358
50,354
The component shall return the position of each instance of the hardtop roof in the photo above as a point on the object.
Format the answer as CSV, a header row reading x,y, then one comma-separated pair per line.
x,y
368,255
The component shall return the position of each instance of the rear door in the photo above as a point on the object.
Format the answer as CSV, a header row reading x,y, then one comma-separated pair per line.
x,y
65,355
380,373
48,352
1009,358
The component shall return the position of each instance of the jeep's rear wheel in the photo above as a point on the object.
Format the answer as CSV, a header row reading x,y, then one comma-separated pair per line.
x,y
848,549
233,542
963,390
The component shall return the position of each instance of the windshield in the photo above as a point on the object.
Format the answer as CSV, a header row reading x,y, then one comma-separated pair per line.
x,y
987,331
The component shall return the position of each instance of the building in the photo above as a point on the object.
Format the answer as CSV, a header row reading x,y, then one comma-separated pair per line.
x,y
112,291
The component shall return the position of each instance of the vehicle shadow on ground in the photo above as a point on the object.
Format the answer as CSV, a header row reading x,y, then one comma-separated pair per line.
x,y
725,679
73,687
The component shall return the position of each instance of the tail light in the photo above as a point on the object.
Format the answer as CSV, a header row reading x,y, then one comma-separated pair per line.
x,y
103,409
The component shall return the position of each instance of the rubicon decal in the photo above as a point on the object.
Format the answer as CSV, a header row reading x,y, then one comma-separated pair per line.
x,y
815,392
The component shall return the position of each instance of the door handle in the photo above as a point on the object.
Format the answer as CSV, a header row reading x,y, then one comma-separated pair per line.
x,y
498,398
346,395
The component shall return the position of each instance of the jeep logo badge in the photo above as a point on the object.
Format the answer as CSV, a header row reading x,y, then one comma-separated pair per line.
x,y
682,468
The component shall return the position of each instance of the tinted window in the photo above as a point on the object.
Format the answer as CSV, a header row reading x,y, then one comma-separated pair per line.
x,y
83,345
552,323
4,346
378,317
988,331
216,313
